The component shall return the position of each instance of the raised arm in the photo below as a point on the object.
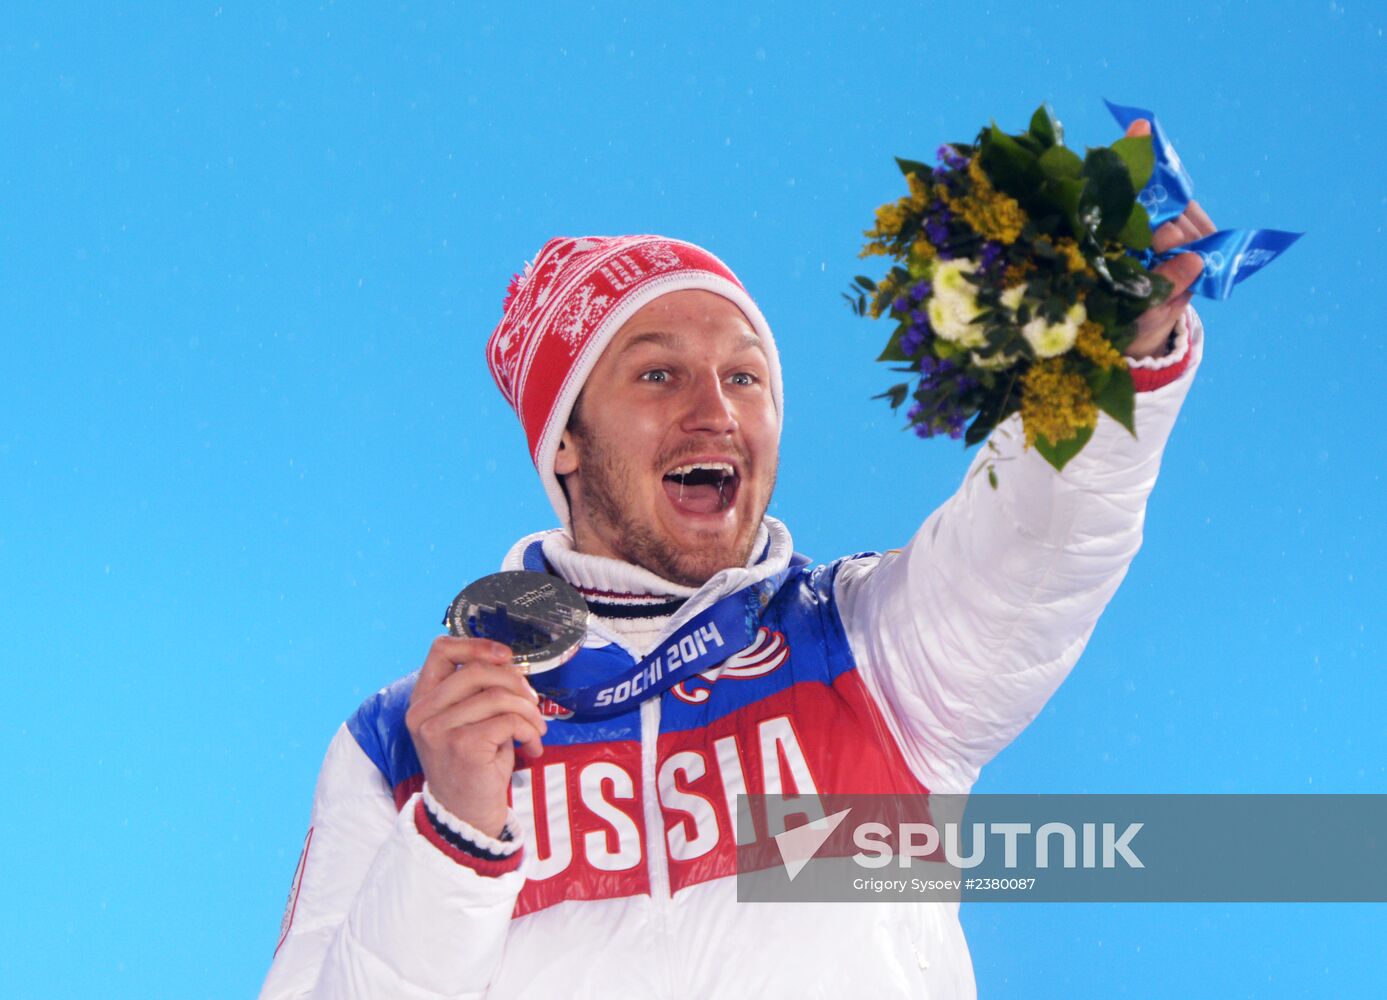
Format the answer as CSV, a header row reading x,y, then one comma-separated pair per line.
x,y
965,633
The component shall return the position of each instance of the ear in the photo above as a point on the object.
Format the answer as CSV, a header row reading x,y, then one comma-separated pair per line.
x,y
566,458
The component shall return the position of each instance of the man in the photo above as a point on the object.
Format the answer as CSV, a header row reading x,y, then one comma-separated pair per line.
x,y
470,839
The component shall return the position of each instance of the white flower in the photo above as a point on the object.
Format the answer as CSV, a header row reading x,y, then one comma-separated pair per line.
x,y
1051,339
996,361
949,280
951,317
1011,298
953,303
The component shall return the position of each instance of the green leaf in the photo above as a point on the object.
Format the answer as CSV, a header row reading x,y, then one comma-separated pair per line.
x,y
1137,232
1109,191
992,476
1140,158
1010,166
1101,308
896,394
1059,454
1059,163
912,167
1030,143
892,351
980,427
1070,195
1046,127
866,283
1116,396
994,409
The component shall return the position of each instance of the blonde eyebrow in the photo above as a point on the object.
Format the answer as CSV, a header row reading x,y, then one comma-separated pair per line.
x,y
657,337
663,338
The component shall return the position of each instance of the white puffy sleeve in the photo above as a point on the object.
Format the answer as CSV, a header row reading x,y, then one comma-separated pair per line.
x,y
965,633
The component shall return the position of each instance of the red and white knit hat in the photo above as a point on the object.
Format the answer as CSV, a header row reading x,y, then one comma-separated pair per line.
x,y
563,310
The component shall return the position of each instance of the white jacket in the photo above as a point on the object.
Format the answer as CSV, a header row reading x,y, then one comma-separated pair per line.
x,y
957,641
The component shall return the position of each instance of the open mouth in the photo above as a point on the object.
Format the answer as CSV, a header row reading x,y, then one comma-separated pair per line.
x,y
706,487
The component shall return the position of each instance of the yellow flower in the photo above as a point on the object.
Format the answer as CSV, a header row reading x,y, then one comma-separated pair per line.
x,y
994,215
1093,345
889,220
883,238
920,192
1069,250
1015,274
1055,403
918,260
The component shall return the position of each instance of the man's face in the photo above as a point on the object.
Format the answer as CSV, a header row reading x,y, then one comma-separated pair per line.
x,y
670,456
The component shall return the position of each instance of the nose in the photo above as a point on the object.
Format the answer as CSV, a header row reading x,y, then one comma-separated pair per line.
x,y
708,407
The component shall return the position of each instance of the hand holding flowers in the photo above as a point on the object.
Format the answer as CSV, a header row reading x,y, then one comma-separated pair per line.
x,y
1154,325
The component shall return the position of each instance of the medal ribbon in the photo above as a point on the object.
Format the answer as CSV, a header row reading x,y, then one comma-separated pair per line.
x,y
1229,255
606,680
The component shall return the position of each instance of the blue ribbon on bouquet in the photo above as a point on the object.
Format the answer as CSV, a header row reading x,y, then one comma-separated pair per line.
x,y
606,680
1229,255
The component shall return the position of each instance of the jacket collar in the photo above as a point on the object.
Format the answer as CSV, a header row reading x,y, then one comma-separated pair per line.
x,y
612,581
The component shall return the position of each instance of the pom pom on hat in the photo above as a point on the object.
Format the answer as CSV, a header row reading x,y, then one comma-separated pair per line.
x,y
564,308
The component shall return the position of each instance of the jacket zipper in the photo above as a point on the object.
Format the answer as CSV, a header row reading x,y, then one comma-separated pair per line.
x,y
657,865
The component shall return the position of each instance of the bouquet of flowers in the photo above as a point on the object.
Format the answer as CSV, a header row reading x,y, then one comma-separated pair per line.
x,y
1016,285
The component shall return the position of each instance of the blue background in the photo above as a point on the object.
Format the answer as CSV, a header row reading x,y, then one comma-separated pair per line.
x,y
249,449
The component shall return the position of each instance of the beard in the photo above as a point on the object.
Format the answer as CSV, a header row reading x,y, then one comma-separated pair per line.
x,y
606,480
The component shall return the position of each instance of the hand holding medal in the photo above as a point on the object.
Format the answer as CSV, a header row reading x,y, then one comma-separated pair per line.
x,y
472,704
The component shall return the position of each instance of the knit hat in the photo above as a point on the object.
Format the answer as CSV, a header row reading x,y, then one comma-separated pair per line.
x,y
566,306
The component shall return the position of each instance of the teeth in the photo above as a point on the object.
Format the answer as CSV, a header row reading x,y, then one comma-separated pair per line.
x,y
721,467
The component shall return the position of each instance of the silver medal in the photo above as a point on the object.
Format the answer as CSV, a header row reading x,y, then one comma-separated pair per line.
x,y
540,617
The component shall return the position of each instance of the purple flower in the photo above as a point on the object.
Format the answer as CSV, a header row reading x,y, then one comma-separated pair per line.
x,y
920,292
949,157
900,305
912,341
991,254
